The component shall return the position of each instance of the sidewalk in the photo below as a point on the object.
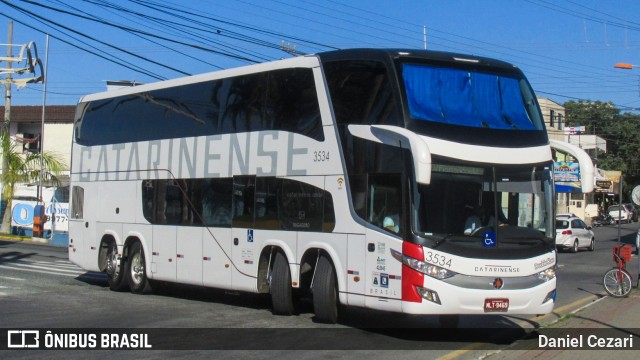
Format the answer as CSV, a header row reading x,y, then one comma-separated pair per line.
x,y
56,240
606,317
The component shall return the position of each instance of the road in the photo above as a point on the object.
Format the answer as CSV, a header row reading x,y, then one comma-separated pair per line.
x,y
40,288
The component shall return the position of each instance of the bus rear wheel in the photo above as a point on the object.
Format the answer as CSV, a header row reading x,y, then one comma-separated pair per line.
x,y
325,293
115,269
280,287
136,271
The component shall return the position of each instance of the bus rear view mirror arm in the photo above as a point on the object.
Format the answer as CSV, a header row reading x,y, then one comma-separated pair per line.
x,y
587,171
403,138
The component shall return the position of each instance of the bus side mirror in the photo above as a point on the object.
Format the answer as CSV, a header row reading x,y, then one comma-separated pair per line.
x,y
587,171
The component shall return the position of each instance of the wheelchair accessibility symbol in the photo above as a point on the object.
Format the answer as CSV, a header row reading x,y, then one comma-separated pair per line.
x,y
489,239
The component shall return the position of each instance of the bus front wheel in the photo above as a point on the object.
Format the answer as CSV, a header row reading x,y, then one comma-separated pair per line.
x,y
325,294
136,271
280,287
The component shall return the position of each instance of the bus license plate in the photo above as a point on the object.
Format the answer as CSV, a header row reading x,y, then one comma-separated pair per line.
x,y
496,305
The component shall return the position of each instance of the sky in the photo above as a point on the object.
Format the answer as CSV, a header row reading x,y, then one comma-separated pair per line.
x,y
566,48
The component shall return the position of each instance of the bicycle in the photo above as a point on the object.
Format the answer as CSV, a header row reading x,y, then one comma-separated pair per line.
x,y
617,281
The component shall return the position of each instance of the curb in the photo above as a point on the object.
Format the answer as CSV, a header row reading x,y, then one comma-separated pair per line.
x,y
560,313
53,241
32,240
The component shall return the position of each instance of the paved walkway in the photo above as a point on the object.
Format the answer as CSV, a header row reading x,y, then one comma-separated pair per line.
x,y
585,334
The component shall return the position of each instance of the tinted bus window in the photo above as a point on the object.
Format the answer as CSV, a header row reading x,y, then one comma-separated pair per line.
x,y
267,203
283,100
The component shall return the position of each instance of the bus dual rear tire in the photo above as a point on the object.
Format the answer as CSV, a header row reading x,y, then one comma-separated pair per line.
x,y
136,270
325,294
280,287
115,269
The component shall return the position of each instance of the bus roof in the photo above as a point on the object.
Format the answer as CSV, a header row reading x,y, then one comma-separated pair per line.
x,y
312,61
307,61
428,55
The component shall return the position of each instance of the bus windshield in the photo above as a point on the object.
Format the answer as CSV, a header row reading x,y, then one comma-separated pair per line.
x,y
470,98
465,202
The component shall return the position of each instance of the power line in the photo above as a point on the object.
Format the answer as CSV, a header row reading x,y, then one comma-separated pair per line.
x,y
132,30
93,38
567,11
596,81
140,36
110,59
235,24
181,28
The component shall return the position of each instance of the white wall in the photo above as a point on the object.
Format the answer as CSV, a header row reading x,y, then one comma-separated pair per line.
x,y
57,139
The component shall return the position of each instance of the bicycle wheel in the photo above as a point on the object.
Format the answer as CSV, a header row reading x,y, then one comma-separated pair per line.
x,y
617,282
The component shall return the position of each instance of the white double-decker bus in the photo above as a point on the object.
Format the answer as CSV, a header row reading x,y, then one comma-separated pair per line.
x,y
407,181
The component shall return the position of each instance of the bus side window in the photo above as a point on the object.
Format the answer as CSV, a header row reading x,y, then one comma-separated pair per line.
x,y
267,189
77,205
293,100
301,206
243,208
385,201
216,202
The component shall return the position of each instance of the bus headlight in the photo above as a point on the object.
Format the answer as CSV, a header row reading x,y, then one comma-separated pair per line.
x,y
423,267
546,275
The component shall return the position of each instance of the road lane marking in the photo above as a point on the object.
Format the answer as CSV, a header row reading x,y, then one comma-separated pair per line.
x,y
11,278
35,270
57,267
45,267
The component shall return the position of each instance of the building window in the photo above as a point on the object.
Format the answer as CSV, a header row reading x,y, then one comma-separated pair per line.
x,y
560,121
552,118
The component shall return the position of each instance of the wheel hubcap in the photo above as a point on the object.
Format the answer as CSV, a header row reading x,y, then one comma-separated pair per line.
x,y
137,268
112,264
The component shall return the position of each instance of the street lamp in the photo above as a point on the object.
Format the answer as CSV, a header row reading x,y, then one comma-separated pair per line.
x,y
628,67
624,66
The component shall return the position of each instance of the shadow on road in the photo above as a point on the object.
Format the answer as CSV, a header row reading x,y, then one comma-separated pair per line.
x,y
363,328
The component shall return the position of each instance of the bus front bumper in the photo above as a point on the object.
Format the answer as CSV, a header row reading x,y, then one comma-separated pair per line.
x,y
451,299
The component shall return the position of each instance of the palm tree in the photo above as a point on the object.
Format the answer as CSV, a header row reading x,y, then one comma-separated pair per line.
x,y
24,168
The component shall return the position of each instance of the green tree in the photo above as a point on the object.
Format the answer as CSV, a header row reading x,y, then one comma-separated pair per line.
x,y
620,130
24,168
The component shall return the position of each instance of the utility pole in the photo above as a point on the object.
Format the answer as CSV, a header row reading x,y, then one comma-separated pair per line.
x,y
27,63
7,87
424,36
7,115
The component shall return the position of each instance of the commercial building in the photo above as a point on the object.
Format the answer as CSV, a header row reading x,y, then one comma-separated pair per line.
x,y
26,130
574,201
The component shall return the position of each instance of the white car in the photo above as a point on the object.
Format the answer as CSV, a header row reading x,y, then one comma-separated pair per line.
x,y
619,211
572,233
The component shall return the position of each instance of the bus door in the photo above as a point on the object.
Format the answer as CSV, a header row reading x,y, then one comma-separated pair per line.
x,y
243,250
216,240
383,211
189,258
383,280
164,252
82,226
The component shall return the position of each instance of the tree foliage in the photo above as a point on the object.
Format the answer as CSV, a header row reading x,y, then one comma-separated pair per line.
x,y
24,168
620,130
